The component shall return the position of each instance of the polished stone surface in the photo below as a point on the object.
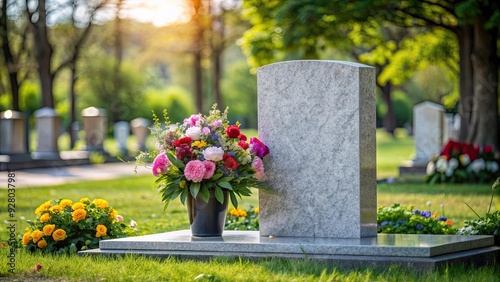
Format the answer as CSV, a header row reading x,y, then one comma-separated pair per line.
x,y
425,252
318,120
428,119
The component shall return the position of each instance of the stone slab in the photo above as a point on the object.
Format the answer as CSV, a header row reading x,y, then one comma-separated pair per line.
x,y
417,251
318,120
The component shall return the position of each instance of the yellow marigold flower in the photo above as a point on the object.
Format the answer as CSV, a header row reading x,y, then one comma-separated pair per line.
x,y
199,144
77,206
42,244
101,203
434,215
256,210
43,207
59,235
36,235
112,213
238,212
26,238
48,229
78,215
101,230
84,200
56,209
65,203
45,217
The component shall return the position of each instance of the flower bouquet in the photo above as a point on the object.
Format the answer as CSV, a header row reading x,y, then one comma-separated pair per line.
x,y
62,226
464,162
204,157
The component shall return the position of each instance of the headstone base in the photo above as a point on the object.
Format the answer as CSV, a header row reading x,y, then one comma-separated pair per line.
x,y
411,167
420,252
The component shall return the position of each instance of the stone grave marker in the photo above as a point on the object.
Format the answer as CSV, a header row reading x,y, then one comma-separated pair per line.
x,y
95,126
318,120
141,131
122,132
12,133
48,126
428,124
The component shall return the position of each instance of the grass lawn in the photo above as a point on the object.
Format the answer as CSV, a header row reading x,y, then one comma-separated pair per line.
x,y
135,199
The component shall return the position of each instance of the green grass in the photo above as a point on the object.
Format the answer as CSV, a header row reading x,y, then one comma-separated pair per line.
x,y
392,151
134,198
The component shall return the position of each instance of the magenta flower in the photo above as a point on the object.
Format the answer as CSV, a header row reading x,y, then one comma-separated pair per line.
x,y
205,130
258,148
195,170
194,120
210,169
160,164
184,151
216,123
259,168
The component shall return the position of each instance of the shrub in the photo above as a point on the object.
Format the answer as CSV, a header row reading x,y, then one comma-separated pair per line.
x,y
62,226
398,219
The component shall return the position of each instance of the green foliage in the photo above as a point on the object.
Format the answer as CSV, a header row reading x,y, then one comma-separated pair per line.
x,y
29,97
175,99
239,219
403,108
489,224
399,219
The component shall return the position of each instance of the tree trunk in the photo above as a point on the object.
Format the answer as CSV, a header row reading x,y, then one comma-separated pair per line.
x,y
483,129
217,48
197,53
389,120
43,55
12,67
72,117
117,79
465,35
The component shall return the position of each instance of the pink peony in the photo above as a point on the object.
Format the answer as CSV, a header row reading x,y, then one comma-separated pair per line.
x,y
258,165
194,120
160,164
216,123
210,169
194,171
205,130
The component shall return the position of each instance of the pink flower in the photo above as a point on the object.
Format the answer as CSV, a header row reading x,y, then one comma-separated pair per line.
x,y
194,171
216,123
194,120
119,218
258,165
160,164
205,130
210,169
258,148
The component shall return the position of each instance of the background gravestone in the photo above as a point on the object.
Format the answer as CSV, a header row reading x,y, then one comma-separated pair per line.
x,y
428,124
12,133
48,126
95,123
141,131
318,120
122,132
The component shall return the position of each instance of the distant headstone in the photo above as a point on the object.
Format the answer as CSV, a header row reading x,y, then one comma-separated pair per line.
x,y
75,130
122,132
12,132
428,124
95,126
48,125
318,120
451,127
141,131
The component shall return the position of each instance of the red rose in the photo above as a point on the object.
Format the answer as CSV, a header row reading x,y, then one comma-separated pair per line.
x,y
243,145
471,151
231,163
242,137
183,140
488,149
225,157
232,131
447,149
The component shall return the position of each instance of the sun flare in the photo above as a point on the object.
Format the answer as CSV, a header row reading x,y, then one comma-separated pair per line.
x,y
157,12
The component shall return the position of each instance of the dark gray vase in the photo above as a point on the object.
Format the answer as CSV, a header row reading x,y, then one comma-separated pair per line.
x,y
207,219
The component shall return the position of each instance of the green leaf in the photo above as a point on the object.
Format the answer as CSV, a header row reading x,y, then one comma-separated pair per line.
x,y
225,184
194,189
205,194
183,196
219,195
178,163
217,176
234,201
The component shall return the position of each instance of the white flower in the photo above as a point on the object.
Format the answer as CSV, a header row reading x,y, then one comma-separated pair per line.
x,y
492,166
449,172
431,168
133,224
477,165
464,160
428,203
194,133
453,163
213,154
442,164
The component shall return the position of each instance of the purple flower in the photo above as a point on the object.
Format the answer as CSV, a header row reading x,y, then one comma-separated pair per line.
x,y
416,212
420,227
426,214
258,148
443,218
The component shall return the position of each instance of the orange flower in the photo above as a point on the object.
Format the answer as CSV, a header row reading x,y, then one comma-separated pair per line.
x,y
448,222
84,200
48,229
42,244
77,206
101,230
78,215
56,209
36,235
43,207
112,213
26,238
434,215
59,235
45,217
65,203
101,203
